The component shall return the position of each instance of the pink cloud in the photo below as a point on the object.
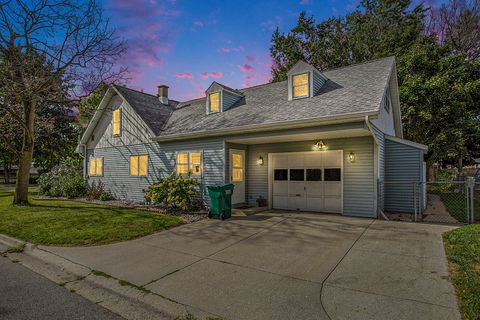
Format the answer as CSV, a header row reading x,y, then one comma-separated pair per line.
x,y
236,49
216,74
250,58
225,50
246,67
204,75
247,82
184,75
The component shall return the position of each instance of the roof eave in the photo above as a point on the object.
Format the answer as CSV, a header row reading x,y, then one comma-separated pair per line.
x,y
351,117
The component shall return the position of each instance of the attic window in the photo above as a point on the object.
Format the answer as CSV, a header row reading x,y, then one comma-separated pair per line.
x,y
117,122
388,101
300,83
214,102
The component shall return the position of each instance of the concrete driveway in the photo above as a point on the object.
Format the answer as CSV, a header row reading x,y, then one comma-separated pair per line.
x,y
288,266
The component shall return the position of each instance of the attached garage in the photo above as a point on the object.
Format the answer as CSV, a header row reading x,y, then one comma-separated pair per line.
x,y
307,181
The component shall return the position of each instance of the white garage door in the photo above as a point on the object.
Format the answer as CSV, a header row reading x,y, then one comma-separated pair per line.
x,y
310,181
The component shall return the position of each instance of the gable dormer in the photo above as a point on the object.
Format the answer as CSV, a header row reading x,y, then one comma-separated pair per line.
x,y
304,81
220,98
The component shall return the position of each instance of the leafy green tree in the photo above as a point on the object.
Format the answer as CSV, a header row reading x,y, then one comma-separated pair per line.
x,y
88,105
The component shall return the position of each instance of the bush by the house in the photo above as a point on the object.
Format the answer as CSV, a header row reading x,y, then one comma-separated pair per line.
x,y
106,196
95,190
64,180
174,192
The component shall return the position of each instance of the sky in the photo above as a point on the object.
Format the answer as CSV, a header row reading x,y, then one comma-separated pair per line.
x,y
189,44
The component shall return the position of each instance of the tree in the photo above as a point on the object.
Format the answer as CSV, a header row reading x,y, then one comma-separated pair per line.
x,y
378,28
438,76
457,26
52,51
88,105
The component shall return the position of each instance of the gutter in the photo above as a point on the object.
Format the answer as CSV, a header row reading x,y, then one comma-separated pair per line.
x,y
292,124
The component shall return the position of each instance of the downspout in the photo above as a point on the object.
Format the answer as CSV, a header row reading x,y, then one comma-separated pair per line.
x,y
83,153
369,126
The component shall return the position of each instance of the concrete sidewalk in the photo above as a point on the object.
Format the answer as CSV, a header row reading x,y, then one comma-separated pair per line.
x,y
287,266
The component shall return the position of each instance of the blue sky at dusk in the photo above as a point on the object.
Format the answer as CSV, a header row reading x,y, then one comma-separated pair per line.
x,y
189,44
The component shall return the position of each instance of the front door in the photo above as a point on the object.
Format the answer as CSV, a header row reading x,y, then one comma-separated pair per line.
x,y
237,175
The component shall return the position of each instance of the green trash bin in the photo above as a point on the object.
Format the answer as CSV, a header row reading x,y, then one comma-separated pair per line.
x,y
220,201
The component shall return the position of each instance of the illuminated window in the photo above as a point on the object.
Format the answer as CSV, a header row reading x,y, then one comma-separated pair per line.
x,y
300,84
237,167
189,163
139,165
95,166
214,100
195,162
117,122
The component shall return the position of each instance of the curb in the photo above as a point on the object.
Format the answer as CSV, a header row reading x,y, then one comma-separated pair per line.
x,y
10,241
127,301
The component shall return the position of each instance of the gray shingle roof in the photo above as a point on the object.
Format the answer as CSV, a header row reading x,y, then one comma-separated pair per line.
x,y
353,89
148,107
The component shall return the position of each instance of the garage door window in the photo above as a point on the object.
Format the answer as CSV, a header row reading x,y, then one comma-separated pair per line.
x,y
314,174
281,174
297,175
333,174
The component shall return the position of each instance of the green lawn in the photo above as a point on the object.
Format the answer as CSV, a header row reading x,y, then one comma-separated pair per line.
x,y
462,246
58,222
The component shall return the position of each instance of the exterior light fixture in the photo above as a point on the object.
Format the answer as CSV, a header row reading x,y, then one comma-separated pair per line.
x,y
351,157
260,161
319,145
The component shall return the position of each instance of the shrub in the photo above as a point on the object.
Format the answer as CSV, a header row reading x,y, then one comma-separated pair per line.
x,y
64,180
174,192
95,190
106,196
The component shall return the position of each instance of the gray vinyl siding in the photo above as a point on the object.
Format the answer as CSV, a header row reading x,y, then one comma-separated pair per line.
x,y
228,100
381,165
403,168
358,177
318,82
133,129
161,162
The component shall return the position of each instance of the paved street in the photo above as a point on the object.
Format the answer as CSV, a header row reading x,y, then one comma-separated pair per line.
x,y
26,295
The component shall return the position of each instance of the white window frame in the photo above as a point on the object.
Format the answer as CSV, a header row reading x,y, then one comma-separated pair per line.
x,y
120,122
220,102
188,163
90,165
138,162
308,85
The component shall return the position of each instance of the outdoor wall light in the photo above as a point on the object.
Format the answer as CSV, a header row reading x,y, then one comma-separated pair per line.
x,y
319,145
351,157
260,161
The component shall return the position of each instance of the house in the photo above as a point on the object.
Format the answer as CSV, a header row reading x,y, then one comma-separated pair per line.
x,y
319,141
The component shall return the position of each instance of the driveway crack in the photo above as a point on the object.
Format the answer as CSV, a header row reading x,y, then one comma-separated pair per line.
x,y
336,265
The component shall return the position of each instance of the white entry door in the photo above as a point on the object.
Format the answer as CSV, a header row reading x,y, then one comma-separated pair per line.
x,y
237,175
310,181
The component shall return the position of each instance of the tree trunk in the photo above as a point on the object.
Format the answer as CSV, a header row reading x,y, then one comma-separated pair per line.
x,y
6,173
25,161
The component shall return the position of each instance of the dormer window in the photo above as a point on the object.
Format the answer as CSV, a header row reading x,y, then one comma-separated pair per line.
x,y
300,83
214,102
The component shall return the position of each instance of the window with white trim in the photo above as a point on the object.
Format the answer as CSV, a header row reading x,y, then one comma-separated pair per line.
x,y
214,102
300,85
139,165
189,162
95,166
117,122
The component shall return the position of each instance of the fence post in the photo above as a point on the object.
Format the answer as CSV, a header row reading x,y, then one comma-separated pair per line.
x,y
470,193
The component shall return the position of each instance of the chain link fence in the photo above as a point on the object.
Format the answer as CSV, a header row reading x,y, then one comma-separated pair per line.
x,y
451,202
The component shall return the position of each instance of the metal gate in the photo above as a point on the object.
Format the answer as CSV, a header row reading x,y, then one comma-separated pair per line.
x,y
450,202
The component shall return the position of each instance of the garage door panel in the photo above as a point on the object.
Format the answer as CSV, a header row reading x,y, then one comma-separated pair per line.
x,y
315,204
333,188
296,203
333,204
332,159
301,182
